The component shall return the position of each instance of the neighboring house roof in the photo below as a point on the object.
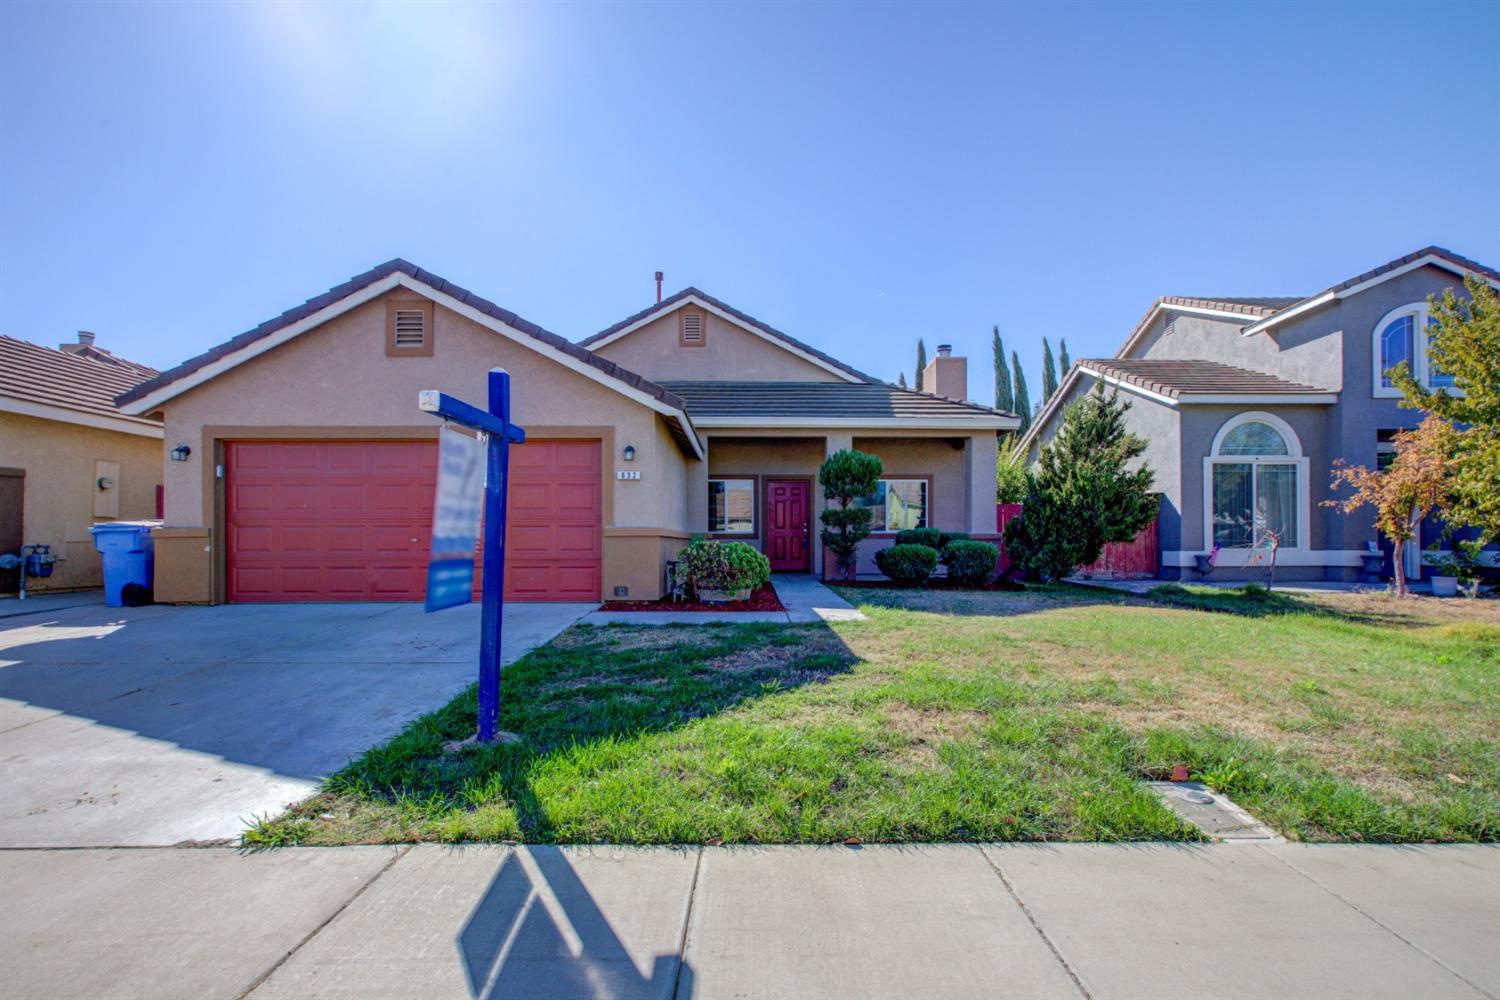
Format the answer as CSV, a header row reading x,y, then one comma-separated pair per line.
x,y
1177,379
71,388
1179,383
377,281
1432,255
828,404
693,296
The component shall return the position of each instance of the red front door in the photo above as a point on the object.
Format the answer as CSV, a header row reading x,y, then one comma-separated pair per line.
x,y
787,524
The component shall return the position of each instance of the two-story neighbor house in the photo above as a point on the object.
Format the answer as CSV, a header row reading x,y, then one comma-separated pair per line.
x,y
1246,402
306,471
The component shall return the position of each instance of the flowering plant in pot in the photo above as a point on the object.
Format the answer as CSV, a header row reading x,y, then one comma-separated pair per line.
x,y
723,571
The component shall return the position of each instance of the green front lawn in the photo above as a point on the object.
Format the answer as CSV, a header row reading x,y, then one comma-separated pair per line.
x,y
963,716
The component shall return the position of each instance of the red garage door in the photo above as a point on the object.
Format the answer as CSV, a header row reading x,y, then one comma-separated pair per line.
x,y
351,520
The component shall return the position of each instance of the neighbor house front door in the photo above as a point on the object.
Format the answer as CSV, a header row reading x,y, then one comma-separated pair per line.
x,y
787,510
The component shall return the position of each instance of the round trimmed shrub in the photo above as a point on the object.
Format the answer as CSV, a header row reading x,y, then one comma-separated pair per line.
x,y
930,537
951,536
908,565
714,565
970,563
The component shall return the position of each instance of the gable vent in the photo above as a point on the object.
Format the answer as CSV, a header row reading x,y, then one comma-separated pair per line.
x,y
411,328
692,328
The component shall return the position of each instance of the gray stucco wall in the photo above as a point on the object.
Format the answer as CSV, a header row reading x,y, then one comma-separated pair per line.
x,y
1308,356
1355,420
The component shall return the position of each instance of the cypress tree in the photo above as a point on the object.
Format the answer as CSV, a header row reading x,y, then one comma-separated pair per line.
x,y
1023,398
1004,398
1049,371
1064,365
901,380
921,362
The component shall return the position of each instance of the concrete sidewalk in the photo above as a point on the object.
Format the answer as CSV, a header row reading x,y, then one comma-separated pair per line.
x,y
935,921
804,599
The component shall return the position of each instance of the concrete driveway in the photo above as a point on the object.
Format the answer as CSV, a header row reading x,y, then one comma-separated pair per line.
x,y
159,725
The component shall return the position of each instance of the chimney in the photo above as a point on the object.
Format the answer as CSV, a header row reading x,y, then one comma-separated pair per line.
x,y
946,375
85,341
658,287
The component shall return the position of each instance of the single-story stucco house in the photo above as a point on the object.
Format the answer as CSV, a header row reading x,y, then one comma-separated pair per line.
x,y
69,458
308,471
1245,404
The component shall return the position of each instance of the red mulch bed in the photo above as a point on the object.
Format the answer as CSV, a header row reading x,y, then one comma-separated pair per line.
x,y
936,583
762,599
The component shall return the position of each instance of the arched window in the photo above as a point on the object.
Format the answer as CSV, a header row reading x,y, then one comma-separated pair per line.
x,y
1255,485
1401,335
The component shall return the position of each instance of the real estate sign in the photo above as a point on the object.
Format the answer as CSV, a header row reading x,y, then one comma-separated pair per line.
x,y
455,518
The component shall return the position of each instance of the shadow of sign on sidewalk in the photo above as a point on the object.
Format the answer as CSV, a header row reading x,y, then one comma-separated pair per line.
x,y
537,932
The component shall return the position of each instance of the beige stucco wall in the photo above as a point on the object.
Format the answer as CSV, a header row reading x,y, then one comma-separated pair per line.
x,y
338,377
60,488
728,352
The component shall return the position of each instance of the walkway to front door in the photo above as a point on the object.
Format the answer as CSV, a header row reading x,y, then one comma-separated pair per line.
x,y
787,510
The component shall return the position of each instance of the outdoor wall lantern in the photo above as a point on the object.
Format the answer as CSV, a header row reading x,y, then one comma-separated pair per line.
x,y
630,453
181,453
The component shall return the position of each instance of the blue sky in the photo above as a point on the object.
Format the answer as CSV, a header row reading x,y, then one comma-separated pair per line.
x,y
859,176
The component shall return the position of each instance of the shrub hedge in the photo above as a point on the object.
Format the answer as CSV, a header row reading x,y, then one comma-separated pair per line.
x,y
715,565
909,565
970,563
930,537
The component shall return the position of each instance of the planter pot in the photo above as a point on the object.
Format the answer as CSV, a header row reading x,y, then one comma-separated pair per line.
x,y
1373,565
1445,586
723,596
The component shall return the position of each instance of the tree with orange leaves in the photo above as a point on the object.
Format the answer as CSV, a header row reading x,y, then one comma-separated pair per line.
x,y
1418,482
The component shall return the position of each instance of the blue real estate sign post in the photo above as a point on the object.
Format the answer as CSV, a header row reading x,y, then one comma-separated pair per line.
x,y
448,581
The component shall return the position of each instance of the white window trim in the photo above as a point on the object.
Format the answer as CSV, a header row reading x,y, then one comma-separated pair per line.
x,y
1421,369
733,479
1294,457
926,505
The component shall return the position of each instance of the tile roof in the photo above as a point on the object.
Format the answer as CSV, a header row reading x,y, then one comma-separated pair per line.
x,y
88,384
820,400
370,277
1175,378
667,303
1251,305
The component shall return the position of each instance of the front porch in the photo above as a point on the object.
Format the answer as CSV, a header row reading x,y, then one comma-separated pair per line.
x,y
763,490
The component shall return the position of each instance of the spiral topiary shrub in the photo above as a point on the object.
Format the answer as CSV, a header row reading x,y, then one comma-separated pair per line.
x,y
930,537
908,565
970,563
714,567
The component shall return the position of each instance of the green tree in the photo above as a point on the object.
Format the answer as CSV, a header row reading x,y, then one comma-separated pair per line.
x,y
921,362
1023,398
1010,477
1081,495
901,379
847,476
1004,398
1063,364
1049,371
1464,341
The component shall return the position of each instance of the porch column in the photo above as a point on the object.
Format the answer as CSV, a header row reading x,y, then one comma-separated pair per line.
x,y
697,498
832,443
980,455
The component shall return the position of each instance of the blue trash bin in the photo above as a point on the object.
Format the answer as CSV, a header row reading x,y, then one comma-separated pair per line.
x,y
129,555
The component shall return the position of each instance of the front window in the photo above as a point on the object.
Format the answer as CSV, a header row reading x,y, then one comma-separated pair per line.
x,y
1256,485
1401,337
731,506
898,504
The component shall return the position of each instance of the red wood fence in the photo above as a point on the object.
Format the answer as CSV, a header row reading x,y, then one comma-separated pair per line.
x,y
1133,560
